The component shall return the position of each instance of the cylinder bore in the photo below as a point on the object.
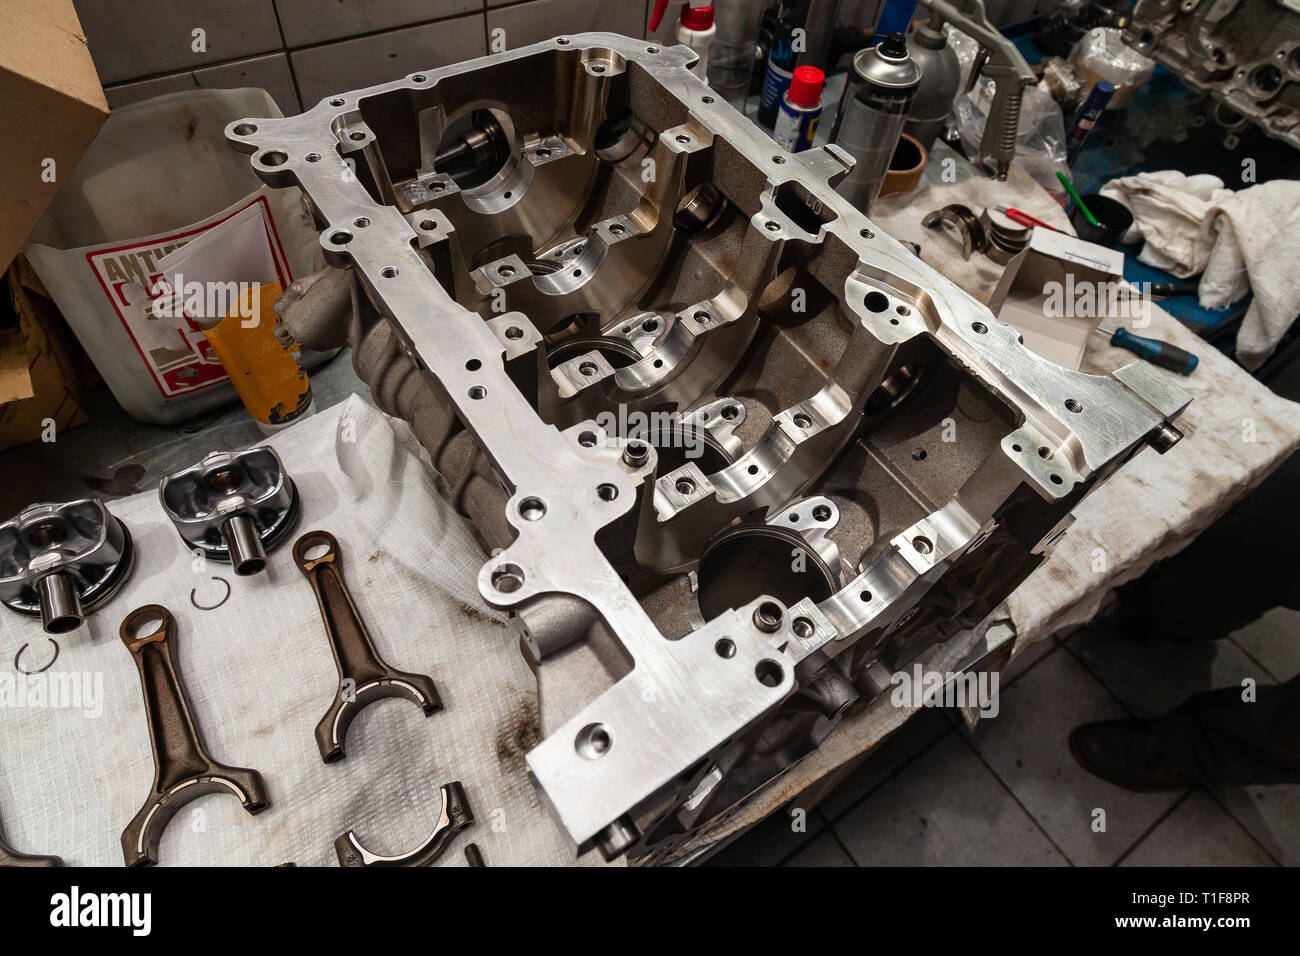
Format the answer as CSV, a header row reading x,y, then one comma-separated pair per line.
x,y
1266,79
747,561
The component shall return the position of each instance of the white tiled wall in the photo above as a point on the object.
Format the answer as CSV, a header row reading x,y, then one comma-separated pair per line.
x,y
317,21
526,23
135,38
301,51
269,71
367,60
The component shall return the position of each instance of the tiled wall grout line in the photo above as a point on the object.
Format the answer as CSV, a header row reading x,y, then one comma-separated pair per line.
x,y
835,835
1055,647
190,70
1099,679
293,74
1255,660
1233,817
287,51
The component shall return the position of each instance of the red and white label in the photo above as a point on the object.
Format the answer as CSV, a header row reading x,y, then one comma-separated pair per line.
x,y
173,349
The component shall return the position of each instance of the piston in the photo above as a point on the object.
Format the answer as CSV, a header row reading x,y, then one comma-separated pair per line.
x,y
232,506
62,561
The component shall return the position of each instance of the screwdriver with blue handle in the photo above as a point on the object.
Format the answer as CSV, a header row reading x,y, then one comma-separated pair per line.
x,y
1164,354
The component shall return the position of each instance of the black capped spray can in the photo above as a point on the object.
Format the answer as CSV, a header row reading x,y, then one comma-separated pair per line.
x,y
877,100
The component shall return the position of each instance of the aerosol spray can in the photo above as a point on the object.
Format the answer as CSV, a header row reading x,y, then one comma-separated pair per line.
x,y
801,108
1089,113
819,27
875,104
780,71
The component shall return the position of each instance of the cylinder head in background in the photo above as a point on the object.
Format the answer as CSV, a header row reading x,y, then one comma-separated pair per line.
x,y
881,87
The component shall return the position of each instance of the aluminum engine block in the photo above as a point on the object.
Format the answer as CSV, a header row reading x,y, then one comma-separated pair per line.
x,y
729,445
1245,53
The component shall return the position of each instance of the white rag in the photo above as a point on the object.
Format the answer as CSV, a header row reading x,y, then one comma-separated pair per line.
x,y
1243,241
259,675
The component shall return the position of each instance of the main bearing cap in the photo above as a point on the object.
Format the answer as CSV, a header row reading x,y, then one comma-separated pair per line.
x,y
732,449
233,506
62,561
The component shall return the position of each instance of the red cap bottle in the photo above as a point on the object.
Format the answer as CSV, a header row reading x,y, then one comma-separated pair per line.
x,y
806,86
693,18
697,18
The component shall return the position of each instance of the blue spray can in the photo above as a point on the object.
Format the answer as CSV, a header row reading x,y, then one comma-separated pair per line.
x,y
1092,109
780,69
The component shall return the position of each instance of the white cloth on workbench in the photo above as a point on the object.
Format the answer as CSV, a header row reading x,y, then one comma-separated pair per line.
x,y
259,675
1239,242
900,215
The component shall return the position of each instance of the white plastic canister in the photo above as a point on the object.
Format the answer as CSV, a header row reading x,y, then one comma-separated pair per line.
x,y
159,173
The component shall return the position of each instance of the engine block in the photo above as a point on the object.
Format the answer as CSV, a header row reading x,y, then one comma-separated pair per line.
x,y
1245,53
729,445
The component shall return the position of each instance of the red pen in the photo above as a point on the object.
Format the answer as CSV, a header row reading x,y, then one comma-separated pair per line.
x,y
1024,218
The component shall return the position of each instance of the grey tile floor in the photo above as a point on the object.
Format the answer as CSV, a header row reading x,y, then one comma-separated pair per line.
x,y
1010,794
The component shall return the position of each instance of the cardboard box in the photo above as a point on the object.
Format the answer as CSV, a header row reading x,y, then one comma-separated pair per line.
x,y
1056,291
43,372
49,91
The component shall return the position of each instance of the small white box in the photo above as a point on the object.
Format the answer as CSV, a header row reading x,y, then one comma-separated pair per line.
x,y
1056,291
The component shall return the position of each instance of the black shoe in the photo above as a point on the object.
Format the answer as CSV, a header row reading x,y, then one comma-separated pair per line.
x,y
1127,754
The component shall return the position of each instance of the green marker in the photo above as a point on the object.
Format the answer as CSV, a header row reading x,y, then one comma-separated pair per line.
x,y
1069,188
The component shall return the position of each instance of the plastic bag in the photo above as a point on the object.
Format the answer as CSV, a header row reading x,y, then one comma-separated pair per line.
x,y
1040,135
1102,55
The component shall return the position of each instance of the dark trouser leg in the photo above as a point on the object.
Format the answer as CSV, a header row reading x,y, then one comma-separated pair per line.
x,y
1242,566
1247,563
1218,738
